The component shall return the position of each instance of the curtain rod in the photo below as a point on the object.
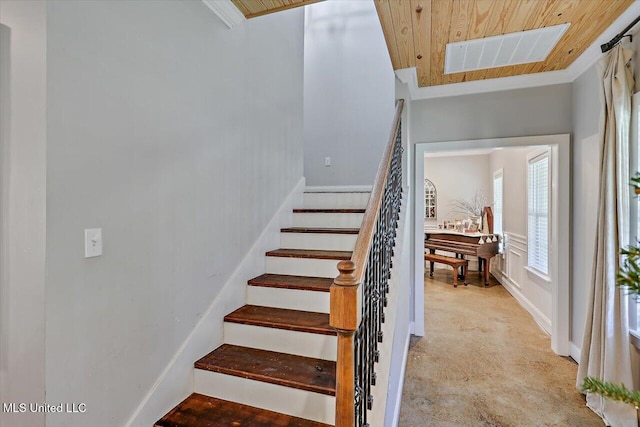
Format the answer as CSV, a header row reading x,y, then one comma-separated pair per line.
x,y
614,41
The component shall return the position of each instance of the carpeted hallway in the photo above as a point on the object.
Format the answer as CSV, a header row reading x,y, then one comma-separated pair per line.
x,y
485,362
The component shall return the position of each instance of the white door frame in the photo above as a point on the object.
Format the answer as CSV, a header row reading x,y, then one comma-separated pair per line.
x,y
560,230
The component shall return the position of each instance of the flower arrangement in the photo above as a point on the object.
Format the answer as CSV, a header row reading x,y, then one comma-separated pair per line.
x,y
472,207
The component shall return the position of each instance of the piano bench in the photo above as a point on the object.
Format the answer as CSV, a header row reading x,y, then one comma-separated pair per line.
x,y
453,262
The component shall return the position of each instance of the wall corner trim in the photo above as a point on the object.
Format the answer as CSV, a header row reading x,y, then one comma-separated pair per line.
x,y
226,11
575,353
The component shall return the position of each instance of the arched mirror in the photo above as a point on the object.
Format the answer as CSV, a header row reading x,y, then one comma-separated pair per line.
x,y
430,200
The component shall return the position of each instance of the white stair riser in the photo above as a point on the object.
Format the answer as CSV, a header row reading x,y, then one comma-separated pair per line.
x,y
328,220
335,200
292,299
272,397
302,266
281,340
319,241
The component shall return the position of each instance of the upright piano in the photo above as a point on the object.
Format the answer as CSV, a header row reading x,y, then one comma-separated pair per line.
x,y
483,246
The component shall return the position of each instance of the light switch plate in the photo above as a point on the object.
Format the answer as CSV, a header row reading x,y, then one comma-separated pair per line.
x,y
92,242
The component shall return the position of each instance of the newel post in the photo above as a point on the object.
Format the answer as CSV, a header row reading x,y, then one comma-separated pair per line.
x,y
344,318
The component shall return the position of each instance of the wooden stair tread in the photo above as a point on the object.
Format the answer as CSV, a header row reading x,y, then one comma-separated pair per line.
x,y
311,253
356,210
281,318
199,410
313,230
287,370
283,281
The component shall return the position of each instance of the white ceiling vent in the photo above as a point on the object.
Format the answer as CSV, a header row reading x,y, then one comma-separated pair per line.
x,y
499,51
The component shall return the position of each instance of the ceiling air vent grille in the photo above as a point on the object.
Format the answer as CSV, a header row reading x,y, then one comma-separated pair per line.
x,y
499,51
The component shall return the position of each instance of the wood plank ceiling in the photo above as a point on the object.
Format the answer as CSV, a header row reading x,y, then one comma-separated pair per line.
x,y
417,31
253,8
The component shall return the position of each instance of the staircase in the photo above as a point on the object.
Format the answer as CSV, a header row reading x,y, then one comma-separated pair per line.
x,y
277,366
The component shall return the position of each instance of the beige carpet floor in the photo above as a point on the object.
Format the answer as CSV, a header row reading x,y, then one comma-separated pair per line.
x,y
485,362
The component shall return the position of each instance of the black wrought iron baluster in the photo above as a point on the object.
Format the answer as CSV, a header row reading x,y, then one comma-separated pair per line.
x,y
375,287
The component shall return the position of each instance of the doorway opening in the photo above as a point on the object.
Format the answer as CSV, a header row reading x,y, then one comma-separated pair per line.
x,y
534,259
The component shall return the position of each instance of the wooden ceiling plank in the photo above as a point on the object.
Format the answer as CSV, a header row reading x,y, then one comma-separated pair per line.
x,y
241,7
479,18
265,11
540,14
560,13
384,14
422,39
274,4
477,21
253,7
493,27
582,33
403,28
497,17
520,12
461,11
575,18
440,18
456,20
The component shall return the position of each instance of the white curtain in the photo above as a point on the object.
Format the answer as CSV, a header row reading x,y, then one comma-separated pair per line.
x,y
606,346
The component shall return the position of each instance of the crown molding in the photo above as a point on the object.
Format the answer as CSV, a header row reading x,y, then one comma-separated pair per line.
x,y
568,75
409,77
226,11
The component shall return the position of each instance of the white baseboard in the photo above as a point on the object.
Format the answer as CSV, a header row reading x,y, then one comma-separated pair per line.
x,y
575,352
175,383
403,368
543,321
339,189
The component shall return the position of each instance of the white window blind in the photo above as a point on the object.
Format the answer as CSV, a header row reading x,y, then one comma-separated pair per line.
x,y
538,213
497,202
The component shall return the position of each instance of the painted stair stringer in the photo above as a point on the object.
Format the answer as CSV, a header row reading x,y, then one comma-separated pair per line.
x,y
175,382
268,322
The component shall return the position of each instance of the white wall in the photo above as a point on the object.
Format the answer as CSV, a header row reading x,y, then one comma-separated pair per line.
x,y
349,89
586,183
457,177
23,206
532,292
521,112
513,161
178,137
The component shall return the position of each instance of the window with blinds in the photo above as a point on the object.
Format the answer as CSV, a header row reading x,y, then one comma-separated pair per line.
x,y
497,201
538,213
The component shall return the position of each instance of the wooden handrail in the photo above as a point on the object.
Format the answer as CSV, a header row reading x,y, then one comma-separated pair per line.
x,y
345,311
363,243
